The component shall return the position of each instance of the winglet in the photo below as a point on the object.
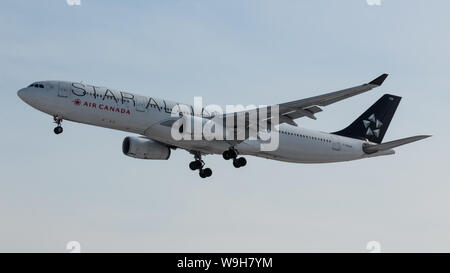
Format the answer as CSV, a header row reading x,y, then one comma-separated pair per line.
x,y
379,81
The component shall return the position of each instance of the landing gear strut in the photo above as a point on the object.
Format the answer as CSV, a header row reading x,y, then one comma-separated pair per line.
x,y
198,164
232,154
58,129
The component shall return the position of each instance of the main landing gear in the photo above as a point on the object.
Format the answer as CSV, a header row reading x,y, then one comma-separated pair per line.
x,y
198,164
232,154
58,129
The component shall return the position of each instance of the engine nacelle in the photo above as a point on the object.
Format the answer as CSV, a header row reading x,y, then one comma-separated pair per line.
x,y
145,148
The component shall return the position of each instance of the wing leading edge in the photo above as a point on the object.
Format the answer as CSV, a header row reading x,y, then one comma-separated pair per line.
x,y
290,111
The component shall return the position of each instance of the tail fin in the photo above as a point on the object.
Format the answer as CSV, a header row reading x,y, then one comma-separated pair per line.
x,y
373,124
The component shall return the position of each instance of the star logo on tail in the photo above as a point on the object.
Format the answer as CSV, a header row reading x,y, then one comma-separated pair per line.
x,y
373,125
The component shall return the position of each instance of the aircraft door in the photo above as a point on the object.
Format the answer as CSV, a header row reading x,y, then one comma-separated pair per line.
x,y
63,90
335,144
141,103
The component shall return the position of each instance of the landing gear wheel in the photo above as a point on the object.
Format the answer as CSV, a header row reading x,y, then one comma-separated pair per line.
x,y
226,155
208,172
195,165
239,162
58,130
205,172
242,161
198,164
229,154
236,163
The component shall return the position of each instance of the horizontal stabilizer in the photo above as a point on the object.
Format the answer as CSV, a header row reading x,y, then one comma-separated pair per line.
x,y
371,148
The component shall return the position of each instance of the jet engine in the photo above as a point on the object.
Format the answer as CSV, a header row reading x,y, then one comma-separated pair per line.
x,y
145,148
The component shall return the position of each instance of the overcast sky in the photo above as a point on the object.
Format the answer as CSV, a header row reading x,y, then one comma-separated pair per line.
x,y
79,186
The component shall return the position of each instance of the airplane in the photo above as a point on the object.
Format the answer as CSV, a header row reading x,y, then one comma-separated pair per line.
x,y
152,119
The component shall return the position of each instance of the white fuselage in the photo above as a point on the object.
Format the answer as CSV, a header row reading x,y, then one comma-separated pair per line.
x,y
101,106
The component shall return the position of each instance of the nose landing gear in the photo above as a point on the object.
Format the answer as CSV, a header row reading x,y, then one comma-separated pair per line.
x,y
58,129
198,164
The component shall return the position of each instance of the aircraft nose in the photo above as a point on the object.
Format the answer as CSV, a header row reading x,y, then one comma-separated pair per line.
x,y
24,94
21,93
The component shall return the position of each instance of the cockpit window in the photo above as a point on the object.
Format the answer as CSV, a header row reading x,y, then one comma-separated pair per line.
x,y
36,85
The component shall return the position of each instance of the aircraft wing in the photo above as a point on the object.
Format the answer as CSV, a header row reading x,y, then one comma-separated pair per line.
x,y
292,110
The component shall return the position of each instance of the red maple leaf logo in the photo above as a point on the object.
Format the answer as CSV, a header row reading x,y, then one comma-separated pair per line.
x,y
77,102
